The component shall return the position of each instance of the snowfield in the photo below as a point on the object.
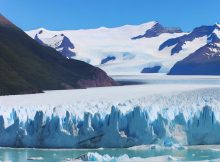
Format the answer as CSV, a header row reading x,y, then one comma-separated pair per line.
x,y
130,49
131,56
174,110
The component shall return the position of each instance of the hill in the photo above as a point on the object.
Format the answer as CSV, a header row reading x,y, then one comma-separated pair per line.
x,y
28,67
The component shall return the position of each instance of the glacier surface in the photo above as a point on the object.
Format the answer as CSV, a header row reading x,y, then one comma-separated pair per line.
x,y
167,115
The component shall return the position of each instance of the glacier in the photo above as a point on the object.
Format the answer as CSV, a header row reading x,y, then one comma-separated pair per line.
x,y
115,130
182,116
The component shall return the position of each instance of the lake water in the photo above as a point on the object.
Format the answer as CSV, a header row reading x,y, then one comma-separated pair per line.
x,y
196,153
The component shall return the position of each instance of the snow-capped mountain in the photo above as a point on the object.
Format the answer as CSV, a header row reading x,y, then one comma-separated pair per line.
x,y
115,50
60,42
129,49
178,44
205,60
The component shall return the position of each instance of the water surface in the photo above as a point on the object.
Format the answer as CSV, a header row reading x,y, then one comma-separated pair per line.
x,y
195,153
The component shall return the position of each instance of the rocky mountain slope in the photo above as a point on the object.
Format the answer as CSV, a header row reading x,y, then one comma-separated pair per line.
x,y
28,67
204,61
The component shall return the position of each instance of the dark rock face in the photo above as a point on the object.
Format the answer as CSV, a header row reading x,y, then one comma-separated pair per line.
x,y
157,30
37,39
28,67
66,45
154,69
99,79
204,61
41,31
180,41
107,59
213,38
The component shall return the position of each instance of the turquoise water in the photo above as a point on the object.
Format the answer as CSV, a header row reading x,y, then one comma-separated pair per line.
x,y
59,155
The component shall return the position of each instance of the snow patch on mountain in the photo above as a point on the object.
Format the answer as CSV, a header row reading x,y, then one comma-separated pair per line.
x,y
217,32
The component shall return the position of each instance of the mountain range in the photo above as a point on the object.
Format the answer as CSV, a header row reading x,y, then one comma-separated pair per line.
x,y
28,67
145,48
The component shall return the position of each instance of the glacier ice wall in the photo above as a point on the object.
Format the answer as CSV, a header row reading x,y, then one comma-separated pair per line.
x,y
189,118
113,130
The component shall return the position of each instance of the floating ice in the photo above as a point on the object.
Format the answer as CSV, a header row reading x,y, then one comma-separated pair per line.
x,y
90,156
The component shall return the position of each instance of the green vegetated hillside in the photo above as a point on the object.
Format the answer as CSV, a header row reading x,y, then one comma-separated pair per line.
x,y
28,67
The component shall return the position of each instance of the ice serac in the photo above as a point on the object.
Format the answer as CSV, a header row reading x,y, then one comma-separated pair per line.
x,y
203,129
116,129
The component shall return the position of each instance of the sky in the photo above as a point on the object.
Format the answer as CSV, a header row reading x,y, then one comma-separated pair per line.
x,y
85,14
